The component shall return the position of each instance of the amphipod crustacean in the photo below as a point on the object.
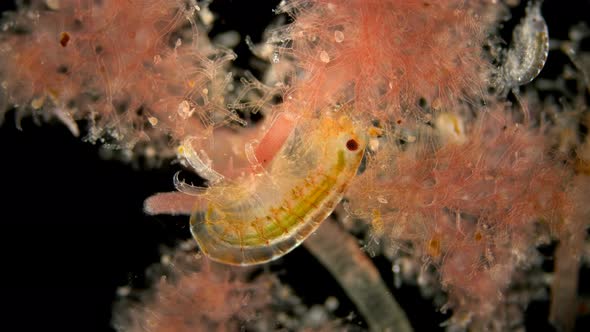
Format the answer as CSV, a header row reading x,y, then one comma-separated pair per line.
x,y
260,217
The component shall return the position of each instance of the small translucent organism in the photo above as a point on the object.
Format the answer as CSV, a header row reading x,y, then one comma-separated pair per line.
x,y
450,128
262,216
199,161
528,50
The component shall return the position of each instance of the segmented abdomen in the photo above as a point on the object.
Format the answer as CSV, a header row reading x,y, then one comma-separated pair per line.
x,y
262,218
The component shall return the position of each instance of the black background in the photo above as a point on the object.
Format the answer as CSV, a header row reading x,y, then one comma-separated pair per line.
x,y
73,230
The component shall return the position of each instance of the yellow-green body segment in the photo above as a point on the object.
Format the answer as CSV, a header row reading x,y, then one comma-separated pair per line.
x,y
260,217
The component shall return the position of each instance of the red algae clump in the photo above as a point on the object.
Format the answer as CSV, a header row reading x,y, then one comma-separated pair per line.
x,y
473,201
142,72
191,293
385,56
462,177
194,294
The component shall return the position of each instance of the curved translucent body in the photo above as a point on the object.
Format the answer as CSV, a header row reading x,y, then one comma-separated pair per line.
x,y
260,217
529,49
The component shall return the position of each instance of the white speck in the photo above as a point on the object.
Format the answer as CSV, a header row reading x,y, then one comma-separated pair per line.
x,y
123,291
246,299
184,110
374,144
52,4
324,57
316,316
228,39
67,119
338,36
207,17
150,152
153,121
331,303
37,103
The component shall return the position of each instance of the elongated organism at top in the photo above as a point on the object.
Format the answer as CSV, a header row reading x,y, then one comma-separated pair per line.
x,y
262,216
529,48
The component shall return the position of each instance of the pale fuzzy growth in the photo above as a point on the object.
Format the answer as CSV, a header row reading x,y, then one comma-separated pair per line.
x,y
475,207
142,72
197,295
387,55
